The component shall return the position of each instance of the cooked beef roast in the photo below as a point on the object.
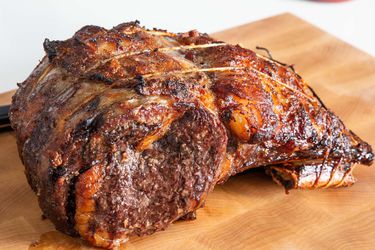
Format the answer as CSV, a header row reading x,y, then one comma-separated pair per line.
x,y
124,131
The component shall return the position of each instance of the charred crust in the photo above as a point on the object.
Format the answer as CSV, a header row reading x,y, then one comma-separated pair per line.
x,y
101,78
158,29
89,31
89,107
56,172
82,129
140,83
226,115
288,184
93,104
173,88
79,41
177,89
317,97
70,206
50,47
82,132
139,78
189,216
121,26
87,126
363,153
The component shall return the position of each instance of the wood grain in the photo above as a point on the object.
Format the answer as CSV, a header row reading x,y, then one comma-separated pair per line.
x,y
249,211
5,98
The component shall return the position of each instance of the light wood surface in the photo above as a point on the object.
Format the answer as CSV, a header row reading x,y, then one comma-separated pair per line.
x,y
249,211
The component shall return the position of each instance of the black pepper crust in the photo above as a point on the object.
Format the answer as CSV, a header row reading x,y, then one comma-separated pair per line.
x,y
124,131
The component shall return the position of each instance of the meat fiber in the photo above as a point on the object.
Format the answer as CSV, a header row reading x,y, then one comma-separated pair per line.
x,y
124,131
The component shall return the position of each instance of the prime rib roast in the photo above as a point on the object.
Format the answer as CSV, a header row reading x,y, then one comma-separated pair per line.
x,y
124,131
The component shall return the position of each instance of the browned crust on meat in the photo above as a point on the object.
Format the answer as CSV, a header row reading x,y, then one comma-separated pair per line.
x,y
116,120
312,175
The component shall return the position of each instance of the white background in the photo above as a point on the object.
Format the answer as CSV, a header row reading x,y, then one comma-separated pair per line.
x,y
25,24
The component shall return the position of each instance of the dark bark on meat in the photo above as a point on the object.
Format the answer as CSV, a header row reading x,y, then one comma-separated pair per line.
x,y
124,131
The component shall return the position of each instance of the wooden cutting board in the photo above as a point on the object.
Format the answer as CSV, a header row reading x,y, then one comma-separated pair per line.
x,y
249,211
